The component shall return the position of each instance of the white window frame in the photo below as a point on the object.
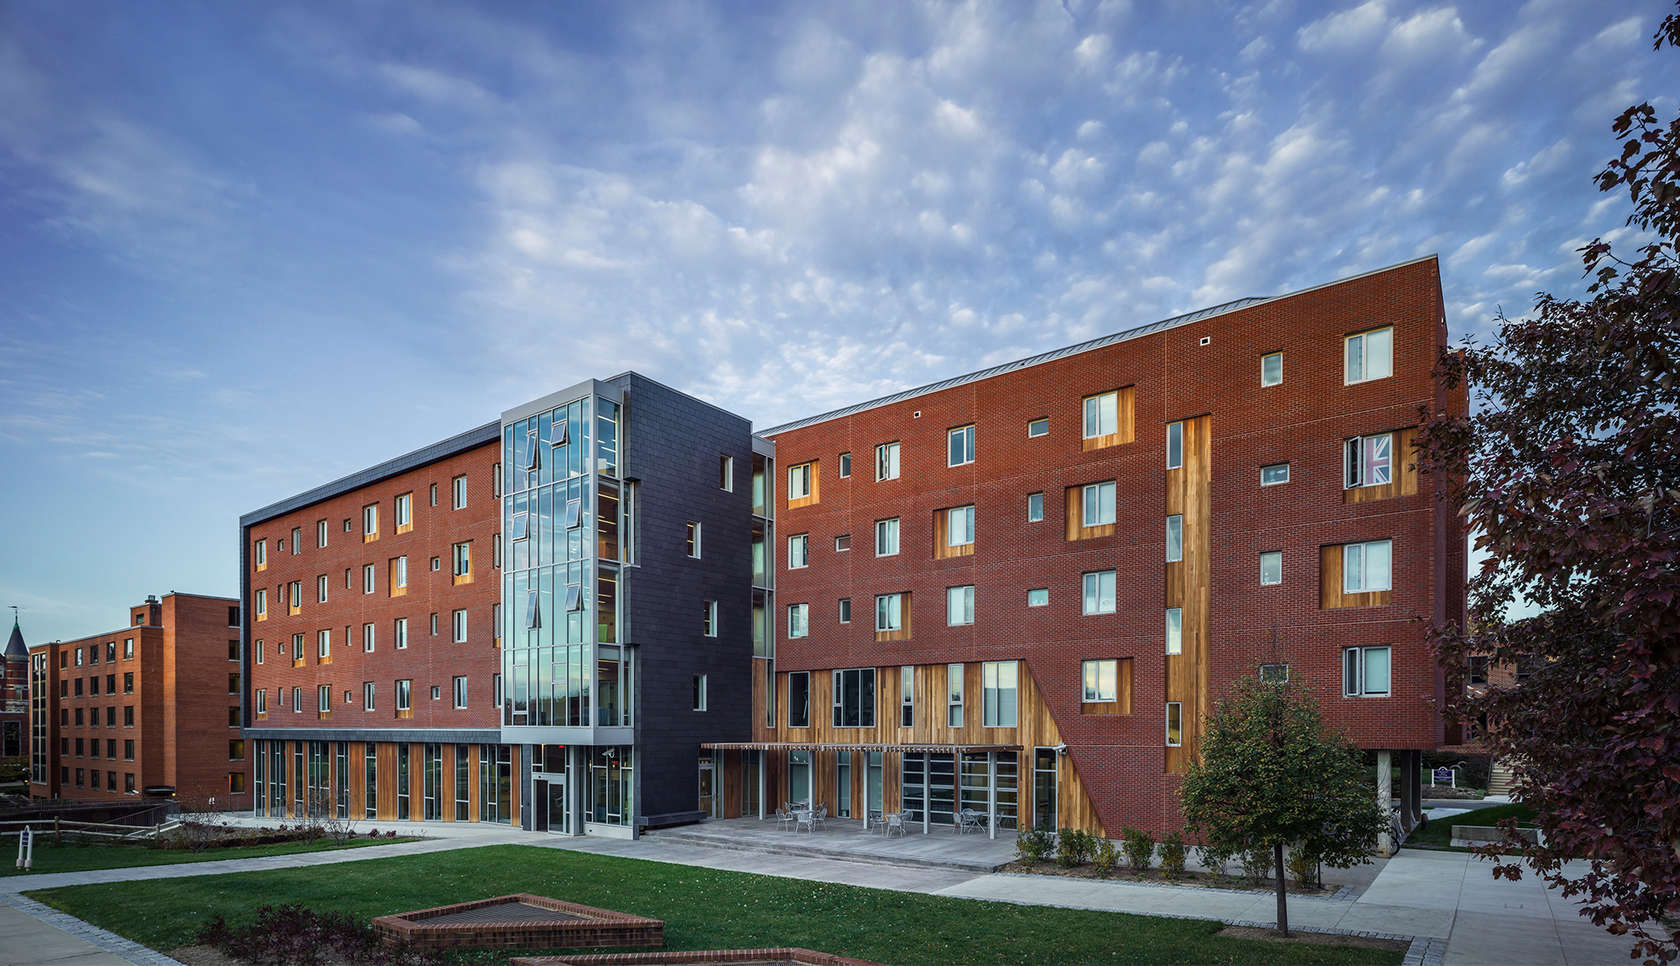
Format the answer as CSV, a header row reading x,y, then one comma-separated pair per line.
x,y
1101,414
405,694
844,607
323,644
693,541
368,696
966,435
1038,427
1265,379
726,474
1356,560
399,633
959,606
700,689
799,551
1091,585
1035,507
992,675
1356,666
1175,537
458,687
953,695
887,528
801,473
458,491
370,520
320,533
1360,364
402,513
1359,471
1273,466
799,620
402,572
1174,716
1174,630
369,580
1175,444
845,466
1038,590
889,613
886,461
321,589
1275,558
1097,504
460,563
323,698
709,628
959,535
1093,687
367,637
458,625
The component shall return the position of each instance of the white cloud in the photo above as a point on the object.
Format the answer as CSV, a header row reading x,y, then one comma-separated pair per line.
x,y
1358,27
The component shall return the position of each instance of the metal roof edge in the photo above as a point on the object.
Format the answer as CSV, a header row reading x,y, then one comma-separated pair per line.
x,y
430,453
1149,328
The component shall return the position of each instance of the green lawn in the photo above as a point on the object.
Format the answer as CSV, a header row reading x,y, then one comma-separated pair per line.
x,y
70,857
702,909
1438,833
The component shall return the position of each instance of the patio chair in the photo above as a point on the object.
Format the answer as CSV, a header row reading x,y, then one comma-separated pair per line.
x,y
804,817
892,822
784,817
819,816
969,820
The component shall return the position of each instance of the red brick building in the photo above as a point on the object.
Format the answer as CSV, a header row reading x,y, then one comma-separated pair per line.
x,y
151,708
1020,590
372,605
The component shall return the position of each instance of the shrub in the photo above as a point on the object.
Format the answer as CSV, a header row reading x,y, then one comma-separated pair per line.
x,y
1213,859
1302,866
1106,857
1032,846
1172,855
1139,847
1257,865
1073,847
293,935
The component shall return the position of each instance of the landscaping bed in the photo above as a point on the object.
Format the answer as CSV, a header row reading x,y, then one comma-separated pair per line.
x,y
1155,876
1437,833
81,856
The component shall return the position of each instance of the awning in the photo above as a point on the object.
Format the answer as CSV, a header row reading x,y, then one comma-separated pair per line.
x,y
909,749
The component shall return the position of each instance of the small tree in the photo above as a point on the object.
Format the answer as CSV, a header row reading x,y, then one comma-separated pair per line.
x,y
1271,775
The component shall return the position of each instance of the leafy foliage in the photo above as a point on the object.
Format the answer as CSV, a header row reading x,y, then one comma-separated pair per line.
x,y
1073,847
1107,857
1271,776
1032,846
1569,472
1303,867
1213,858
292,935
1172,855
1139,847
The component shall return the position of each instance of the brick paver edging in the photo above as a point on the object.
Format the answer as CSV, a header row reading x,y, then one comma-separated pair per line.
x,y
680,957
104,939
592,927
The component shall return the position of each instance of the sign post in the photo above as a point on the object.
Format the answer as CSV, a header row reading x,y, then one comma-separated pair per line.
x,y
1447,776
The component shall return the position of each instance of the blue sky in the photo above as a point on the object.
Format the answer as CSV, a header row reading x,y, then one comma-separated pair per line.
x,y
248,248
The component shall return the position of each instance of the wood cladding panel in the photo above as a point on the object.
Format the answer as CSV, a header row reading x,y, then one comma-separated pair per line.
x,y
816,492
903,632
1330,593
1075,516
1405,472
1187,585
942,548
1125,425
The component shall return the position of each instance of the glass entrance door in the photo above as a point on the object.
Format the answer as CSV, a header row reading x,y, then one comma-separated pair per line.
x,y
557,805
1044,789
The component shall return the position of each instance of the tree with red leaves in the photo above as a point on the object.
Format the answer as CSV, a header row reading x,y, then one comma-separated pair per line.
x,y
1569,473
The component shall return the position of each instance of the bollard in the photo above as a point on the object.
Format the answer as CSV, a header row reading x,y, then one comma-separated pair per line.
x,y
26,849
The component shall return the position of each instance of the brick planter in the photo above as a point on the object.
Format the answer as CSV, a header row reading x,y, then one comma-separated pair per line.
x,y
519,922
780,956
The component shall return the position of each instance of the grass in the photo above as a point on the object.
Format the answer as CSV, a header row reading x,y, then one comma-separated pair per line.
x,y
72,857
701,908
1438,833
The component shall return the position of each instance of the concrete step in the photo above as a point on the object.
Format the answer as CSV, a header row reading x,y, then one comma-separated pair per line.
x,y
802,847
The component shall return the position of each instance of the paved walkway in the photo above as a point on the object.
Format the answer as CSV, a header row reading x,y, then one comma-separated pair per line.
x,y
1457,912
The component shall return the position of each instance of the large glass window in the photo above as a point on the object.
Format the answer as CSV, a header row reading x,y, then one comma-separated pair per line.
x,y
1102,415
1175,445
799,482
959,606
886,537
954,695
959,526
1100,680
799,551
886,462
1368,461
799,620
1366,567
1099,592
889,612
854,698
799,699
998,694
1365,671
1370,355
960,446
1097,504
1175,538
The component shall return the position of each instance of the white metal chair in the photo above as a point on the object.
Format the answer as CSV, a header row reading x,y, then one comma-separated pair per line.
x,y
969,820
819,816
804,817
892,822
784,817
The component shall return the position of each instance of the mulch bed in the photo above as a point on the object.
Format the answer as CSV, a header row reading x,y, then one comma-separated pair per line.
x,y
1313,938
1157,877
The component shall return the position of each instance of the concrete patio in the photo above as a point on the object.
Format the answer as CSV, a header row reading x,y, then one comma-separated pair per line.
x,y
843,838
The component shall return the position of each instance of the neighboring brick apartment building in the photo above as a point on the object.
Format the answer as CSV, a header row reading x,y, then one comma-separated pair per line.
x,y
408,662
1020,590
151,708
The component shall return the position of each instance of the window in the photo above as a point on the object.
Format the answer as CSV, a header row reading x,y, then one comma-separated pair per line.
x,y
1100,680
1175,538
128,678
399,635
323,699
842,543
128,648
845,465
297,700
1038,427
1099,592
297,649
367,578
906,696
405,690
799,699
1175,445
889,612
954,695
533,609
399,575
1365,672
799,482
458,625
297,541
1175,630
799,620
960,446
1038,597
1035,507
886,537
260,553
886,462
1175,725
699,692
1370,355
321,589
693,545
1271,369
262,702
520,526
1478,670
432,494
1102,415
320,533
1368,461
726,473
262,615
708,625
997,694
1271,567
367,637
959,606
959,526
462,557
799,551
259,651
370,520
1096,505
403,512
574,598
458,491
574,514
367,695
323,645
1274,474
845,610
854,698
1274,674
1366,566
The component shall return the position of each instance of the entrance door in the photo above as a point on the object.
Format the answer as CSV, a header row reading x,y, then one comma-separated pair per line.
x,y
557,805
1044,789
539,816
708,797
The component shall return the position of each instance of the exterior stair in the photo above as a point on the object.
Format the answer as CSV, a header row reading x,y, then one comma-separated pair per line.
x,y
1499,778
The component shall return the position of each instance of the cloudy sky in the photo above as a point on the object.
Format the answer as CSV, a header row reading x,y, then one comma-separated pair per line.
x,y
246,248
